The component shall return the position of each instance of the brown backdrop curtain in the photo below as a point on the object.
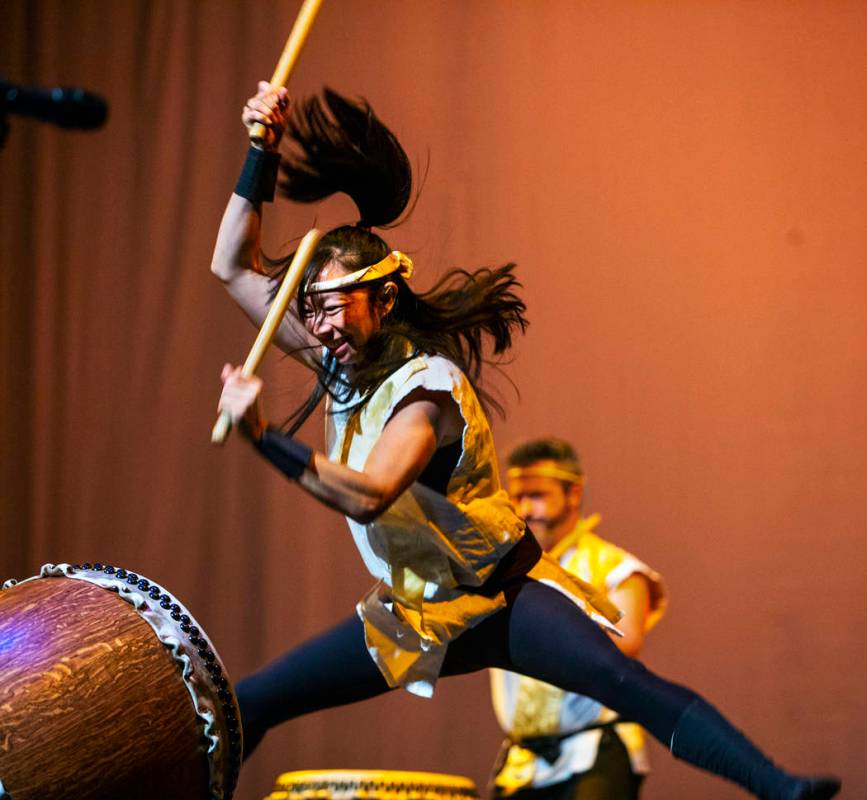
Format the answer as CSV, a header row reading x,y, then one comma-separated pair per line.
x,y
683,186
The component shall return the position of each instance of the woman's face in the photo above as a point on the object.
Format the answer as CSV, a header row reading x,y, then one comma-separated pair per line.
x,y
342,321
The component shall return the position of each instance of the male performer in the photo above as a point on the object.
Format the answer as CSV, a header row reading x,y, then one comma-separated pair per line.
x,y
560,745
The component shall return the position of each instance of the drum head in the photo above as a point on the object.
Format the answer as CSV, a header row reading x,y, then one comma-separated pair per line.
x,y
345,784
110,689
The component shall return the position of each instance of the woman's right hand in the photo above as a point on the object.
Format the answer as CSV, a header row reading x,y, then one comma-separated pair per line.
x,y
269,107
241,400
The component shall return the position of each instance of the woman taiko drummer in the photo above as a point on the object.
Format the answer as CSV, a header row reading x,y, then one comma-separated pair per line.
x,y
410,462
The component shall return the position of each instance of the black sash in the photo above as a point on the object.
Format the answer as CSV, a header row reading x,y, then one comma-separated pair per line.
x,y
548,747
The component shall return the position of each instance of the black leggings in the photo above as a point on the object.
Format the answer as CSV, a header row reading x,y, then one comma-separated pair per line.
x,y
540,633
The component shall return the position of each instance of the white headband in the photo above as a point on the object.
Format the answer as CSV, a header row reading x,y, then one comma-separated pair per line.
x,y
395,261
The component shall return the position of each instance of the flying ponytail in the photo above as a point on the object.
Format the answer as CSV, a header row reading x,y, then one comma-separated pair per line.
x,y
342,146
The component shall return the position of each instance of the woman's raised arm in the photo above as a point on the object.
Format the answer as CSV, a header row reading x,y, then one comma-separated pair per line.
x,y
237,259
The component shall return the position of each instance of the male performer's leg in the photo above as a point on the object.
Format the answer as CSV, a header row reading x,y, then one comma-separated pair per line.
x,y
611,776
565,790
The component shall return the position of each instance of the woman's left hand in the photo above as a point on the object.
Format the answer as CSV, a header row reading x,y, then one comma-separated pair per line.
x,y
241,400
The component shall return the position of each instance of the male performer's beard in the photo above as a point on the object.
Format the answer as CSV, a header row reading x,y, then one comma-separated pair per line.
x,y
548,530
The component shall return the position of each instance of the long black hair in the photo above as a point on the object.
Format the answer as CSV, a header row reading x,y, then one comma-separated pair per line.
x,y
340,145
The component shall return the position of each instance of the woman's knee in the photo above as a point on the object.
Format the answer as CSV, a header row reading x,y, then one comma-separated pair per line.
x,y
550,633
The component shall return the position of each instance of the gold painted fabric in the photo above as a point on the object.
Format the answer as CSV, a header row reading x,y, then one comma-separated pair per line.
x,y
530,708
427,549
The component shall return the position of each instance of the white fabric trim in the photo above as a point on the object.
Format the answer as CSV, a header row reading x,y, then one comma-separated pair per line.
x,y
627,568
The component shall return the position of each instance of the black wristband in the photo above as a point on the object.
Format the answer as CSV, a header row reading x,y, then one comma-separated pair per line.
x,y
258,177
289,455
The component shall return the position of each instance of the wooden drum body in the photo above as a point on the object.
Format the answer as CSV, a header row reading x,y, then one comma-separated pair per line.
x,y
109,689
346,784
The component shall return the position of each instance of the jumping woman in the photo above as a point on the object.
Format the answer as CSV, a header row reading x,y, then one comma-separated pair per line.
x,y
461,585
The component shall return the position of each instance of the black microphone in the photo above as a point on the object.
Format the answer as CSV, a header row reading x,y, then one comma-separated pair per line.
x,y
64,106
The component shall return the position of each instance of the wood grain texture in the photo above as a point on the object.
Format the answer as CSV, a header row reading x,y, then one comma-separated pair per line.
x,y
91,704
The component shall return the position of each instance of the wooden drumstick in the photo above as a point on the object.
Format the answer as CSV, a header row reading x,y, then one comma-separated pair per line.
x,y
272,321
291,51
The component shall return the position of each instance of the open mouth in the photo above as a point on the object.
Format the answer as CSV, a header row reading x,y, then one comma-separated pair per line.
x,y
340,350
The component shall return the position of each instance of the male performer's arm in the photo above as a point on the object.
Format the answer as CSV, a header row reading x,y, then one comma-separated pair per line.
x,y
633,598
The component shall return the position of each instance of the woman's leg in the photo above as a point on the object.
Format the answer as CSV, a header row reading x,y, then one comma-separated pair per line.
x,y
553,640
544,635
331,669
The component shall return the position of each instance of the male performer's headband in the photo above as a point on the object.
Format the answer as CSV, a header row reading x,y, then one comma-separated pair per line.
x,y
395,261
546,471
